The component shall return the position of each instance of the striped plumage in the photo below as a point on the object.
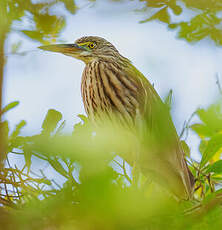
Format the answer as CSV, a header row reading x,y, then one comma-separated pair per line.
x,y
105,89
113,87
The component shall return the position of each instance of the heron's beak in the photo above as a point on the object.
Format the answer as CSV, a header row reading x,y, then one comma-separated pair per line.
x,y
63,48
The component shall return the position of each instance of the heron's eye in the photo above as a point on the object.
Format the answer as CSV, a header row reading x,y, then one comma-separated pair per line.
x,y
91,45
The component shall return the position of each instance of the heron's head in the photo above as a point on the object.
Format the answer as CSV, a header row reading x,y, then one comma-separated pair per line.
x,y
86,49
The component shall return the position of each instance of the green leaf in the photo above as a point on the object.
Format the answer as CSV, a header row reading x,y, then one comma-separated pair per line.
x,y
49,25
70,6
203,146
168,99
162,15
34,35
83,118
51,120
58,167
217,178
27,156
82,126
42,180
9,106
172,25
216,167
18,128
202,130
211,117
60,128
155,3
177,10
186,148
16,46
214,144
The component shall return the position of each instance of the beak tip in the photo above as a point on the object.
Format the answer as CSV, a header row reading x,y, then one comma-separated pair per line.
x,y
61,48
42,47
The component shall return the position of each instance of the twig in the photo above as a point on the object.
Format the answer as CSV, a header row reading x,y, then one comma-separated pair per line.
x,y
209,182
117,163
125,173
56,184
14,180
8,203
124,170
13,196
218,83
186,126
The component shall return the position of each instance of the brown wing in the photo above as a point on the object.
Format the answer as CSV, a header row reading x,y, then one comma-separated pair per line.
x,y
122,92
168,161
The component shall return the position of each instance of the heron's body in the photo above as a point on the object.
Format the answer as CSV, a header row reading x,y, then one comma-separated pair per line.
x,y
112,86
104,91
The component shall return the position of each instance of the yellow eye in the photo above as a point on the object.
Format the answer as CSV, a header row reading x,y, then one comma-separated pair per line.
x,y
91,45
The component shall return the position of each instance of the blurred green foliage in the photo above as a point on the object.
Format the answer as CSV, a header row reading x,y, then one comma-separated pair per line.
x,y
99,189
209,130
194,20
44,26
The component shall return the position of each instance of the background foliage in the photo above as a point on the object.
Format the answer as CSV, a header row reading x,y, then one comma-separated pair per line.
x,y
205,21
99,189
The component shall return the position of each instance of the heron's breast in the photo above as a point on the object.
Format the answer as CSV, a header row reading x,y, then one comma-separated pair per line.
x,y
93,94
104,90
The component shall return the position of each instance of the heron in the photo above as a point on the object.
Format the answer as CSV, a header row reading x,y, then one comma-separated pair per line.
x,y
113,87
